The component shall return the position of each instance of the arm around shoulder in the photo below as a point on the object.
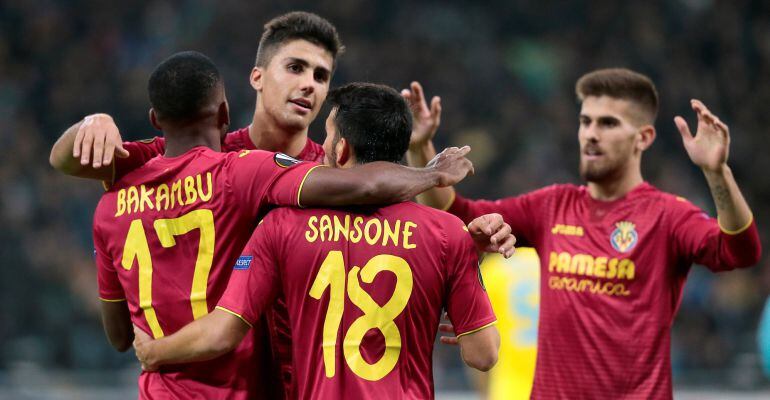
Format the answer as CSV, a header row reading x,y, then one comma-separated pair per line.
x,y
383,182
206,338
88,147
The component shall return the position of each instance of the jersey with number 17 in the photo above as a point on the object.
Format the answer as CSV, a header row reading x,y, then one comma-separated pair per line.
x,y
166,238
364,290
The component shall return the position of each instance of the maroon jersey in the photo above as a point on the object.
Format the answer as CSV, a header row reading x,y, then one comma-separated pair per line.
x,y
276,322
364,290
166,238
142,151
611,282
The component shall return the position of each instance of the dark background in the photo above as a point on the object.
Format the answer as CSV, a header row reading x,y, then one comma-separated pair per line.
x,y
505,71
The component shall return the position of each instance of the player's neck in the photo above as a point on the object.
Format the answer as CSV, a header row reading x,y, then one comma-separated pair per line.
x,y
180,141
613,189
267,135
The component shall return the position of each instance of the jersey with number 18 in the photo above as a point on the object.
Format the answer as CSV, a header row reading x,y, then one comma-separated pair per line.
x,y
364,290
166,238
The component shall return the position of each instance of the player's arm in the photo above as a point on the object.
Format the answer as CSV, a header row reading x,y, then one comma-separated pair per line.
x,y
116,320
383,182
86,149
116,317
709,150
736,243
479,349
209,337
467,303
250,291
421,150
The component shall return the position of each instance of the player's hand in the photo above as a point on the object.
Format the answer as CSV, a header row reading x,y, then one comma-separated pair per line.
x,y
710,146
450,329
451,165
142,344
98,139
425,121
492,235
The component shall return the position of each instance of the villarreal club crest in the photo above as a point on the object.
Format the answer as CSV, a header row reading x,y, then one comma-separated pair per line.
x,y
624,237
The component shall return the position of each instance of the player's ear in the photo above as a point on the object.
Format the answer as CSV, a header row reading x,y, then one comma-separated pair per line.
x,y
255,79
646,137
154,119
342,149
223,114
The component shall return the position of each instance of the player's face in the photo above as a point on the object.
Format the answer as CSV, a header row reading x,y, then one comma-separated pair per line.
x,y
608,138
295,82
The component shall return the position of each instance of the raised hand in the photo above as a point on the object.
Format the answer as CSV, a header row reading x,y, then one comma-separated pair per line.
x,y
452,165
98,139
710,147
492,235
425,121
141,347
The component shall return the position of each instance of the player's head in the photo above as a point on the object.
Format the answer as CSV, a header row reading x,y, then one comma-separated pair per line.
x,y
187,89
293,69
617,120
367,123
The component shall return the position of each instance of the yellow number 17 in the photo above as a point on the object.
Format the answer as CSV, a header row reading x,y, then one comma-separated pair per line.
x,y
137,248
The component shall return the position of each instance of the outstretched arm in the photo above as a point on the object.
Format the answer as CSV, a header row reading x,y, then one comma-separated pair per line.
x,y
383,182
203,339
709,150
425,123
95,138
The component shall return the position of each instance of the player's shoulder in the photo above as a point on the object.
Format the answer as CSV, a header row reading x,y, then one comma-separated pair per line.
x,y
251,155
244,157
421,214
238,140
672,201
648,191
671,204
558,190
312,152
158,142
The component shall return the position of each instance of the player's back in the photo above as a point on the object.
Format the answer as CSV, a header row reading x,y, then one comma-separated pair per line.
x,y
167,236
365,290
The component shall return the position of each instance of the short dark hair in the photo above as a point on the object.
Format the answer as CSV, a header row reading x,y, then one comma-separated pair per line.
x,y
298,25
181,86
374,119
620,83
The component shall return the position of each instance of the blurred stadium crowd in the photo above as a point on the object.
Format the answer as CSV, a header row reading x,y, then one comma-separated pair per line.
x,y
505,72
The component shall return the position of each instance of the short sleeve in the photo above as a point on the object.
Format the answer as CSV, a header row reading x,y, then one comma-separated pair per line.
x,y
258,178
467,302
139,153
255,281
523,213
698,238
110,288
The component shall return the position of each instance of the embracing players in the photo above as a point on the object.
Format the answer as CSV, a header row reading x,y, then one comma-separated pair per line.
x,y
293,69
167,234
615,253
365,286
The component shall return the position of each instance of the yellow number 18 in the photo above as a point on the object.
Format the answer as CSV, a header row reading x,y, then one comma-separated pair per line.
x,y
332,275
137,248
